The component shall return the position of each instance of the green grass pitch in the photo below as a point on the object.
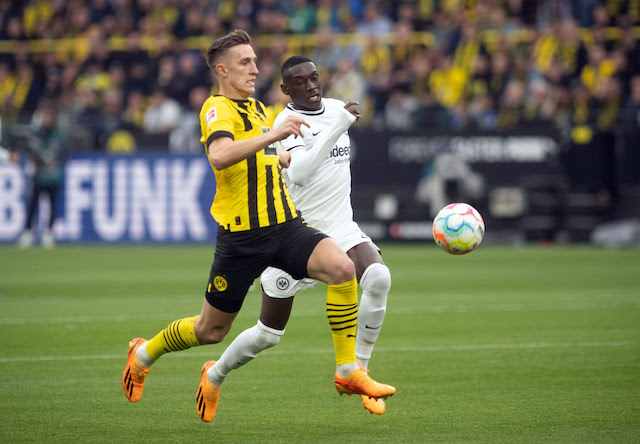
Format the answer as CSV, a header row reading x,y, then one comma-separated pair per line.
x,y
504,345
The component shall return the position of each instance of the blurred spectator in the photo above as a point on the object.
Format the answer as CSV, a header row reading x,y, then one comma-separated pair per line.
x,y
499,74
100,9
13,30
442,30
403,48
133,114
86,114
631,112
189,23
275,102
482,115
348,84
467,47
185,137
302,17
511,106
47,150
584,10
334,15
269,67
430,113
399,110
538,107
112,109
550,11
375,55
598,68
326,53
163,113
374,21
168,78
447,82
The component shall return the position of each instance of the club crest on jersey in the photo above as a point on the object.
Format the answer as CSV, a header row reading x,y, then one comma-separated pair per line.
x,y
211,115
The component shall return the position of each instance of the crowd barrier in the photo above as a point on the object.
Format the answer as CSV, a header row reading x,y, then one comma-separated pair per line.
x,y
136,198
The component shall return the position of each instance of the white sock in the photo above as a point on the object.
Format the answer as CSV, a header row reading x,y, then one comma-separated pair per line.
x,y
243,349
345,370
143,356
375,283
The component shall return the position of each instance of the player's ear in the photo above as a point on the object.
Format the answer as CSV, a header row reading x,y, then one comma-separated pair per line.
x,y
221,70
284,88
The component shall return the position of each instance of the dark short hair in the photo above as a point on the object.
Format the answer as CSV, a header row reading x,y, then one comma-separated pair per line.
x,y
220,46
291,62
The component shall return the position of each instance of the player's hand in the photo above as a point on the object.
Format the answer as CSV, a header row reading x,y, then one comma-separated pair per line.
x,y
350,107
291,125
284,157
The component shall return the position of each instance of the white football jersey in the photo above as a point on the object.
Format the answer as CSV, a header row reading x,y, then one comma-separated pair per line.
x,y
325,201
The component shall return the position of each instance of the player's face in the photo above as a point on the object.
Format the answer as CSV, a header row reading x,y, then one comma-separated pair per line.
x,y
241,70
303,85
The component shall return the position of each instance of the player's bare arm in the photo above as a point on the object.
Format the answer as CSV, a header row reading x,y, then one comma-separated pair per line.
x,y
224,151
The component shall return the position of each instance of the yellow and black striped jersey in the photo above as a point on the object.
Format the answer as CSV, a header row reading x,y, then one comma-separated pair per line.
x,y
249,194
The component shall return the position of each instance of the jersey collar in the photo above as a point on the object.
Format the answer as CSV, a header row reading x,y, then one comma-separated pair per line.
x,y
307,112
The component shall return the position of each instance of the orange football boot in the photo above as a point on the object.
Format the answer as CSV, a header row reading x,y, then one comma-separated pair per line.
x,y
374,405
134,373
358,382
207,396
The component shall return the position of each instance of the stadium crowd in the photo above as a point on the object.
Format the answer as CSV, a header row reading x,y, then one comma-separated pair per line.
x,y
116,68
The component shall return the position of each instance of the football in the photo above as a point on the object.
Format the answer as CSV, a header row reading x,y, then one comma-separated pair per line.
x,y
458,228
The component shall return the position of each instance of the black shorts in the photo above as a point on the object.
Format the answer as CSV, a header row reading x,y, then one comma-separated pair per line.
x,y
243,255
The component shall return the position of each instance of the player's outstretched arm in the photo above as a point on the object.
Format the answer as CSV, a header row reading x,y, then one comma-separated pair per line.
x,y
304,164
224,151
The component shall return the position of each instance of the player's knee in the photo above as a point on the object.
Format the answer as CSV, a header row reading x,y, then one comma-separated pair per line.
x,y
266,337
210,335
342,271
376,280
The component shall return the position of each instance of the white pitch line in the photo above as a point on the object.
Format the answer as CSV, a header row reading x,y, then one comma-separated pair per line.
x,y
427,348
496,308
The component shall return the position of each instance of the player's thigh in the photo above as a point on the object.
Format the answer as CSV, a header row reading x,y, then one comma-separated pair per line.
x,y
363,255
296,241
330,264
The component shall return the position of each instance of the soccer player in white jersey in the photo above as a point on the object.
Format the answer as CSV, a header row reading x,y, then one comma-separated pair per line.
x,y
318,176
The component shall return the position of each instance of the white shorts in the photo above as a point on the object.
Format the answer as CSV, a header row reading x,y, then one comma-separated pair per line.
x,y
279,284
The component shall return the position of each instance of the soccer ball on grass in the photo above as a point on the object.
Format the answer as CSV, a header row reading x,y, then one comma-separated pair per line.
x,y
458,228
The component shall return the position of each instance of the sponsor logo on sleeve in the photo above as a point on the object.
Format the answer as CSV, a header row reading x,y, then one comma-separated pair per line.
x,y
211,116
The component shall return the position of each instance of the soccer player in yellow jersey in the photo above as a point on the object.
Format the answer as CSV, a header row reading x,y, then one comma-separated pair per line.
x,y
259,226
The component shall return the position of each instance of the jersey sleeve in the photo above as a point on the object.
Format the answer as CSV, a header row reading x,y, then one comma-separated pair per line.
x,y
217,120
304,164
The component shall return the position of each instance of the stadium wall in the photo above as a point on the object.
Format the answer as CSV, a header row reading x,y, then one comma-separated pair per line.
x,y
528,186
